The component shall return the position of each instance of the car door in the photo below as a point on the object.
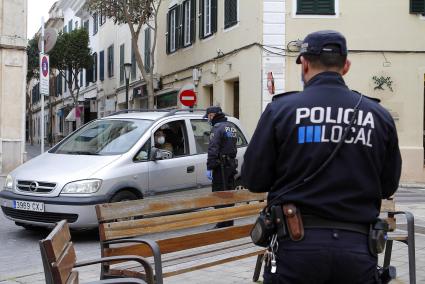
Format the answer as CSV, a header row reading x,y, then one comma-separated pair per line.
x,y
177,171
201,132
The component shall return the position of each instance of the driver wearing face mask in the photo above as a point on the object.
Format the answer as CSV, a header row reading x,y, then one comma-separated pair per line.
x,y
160,142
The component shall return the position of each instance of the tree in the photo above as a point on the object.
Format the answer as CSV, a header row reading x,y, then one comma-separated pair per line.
x,y
134,13
33,70
71,55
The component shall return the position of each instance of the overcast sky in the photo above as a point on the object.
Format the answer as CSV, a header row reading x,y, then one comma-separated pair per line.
x,y
36,10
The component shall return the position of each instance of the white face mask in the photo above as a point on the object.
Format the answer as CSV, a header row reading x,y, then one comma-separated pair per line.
x,y
160,140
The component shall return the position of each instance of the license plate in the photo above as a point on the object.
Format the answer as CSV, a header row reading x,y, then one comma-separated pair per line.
x,y
28,205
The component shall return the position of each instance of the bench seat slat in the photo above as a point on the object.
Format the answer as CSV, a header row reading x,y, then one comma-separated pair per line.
x,y
131,228
190,263
184,242
164,205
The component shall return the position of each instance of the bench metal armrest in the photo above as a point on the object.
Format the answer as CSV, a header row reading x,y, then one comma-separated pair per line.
x,y
155,251
141,260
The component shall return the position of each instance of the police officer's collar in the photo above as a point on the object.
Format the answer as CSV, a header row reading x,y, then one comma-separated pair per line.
x,y
218,118
326,77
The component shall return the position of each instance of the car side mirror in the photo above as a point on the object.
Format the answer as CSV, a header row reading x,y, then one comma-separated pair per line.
x,y
156,154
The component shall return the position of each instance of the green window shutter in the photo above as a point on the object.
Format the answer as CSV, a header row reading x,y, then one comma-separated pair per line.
x,y
417,6
192,21
147,60
122,75
102,65
201,18
230,13
133,64
167,38
315,7
213,16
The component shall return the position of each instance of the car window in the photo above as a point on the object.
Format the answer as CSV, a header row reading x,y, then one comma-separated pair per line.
x,y
171,139
104,137
144,152
201,130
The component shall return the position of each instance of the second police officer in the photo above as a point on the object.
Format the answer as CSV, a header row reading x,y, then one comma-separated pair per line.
x,y
338,192
221,162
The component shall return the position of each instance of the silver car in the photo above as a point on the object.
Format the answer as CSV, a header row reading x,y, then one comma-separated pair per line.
x,y
111,159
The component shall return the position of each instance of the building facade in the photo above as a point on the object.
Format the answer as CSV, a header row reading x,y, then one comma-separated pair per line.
x,y
225,49
387,51
13,66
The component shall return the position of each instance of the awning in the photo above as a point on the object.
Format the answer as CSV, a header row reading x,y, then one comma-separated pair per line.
x,y
74,114
90,94
71,115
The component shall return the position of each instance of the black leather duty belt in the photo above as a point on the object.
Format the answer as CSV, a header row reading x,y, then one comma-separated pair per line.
x,y
314,222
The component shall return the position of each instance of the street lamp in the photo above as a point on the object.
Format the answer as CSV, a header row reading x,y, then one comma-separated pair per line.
x,y
127,70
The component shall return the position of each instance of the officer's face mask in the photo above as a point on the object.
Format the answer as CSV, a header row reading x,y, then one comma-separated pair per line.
x,y
160,140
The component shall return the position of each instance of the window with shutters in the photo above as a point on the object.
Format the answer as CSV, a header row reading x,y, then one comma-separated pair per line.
x,y
230,13
86,26
70,26
147,54
111,61
187,12
58,85
208,18
417,7
94,69
102,18
95,23
133,64
102,65
172,30
122,56
316,7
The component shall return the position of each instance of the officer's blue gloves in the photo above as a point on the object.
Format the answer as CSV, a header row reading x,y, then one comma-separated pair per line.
x,y
208,174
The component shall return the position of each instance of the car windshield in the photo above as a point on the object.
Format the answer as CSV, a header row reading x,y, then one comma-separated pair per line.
x,y
104,137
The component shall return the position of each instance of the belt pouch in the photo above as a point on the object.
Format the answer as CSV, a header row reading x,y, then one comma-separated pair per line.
x,y
294,222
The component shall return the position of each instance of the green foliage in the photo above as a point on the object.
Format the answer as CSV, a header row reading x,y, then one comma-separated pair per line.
x,y
33,59
138,11
72,52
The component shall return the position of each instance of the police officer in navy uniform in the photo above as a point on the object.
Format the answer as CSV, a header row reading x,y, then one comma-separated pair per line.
x,y
296,134
221,162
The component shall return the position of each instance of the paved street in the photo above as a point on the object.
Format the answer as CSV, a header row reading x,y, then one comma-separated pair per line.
x,y
19,250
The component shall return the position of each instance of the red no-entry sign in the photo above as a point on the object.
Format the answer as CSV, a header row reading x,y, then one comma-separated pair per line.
x,y
188,97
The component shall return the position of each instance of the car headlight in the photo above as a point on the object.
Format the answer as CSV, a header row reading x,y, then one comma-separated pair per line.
x,y
8,184
82,187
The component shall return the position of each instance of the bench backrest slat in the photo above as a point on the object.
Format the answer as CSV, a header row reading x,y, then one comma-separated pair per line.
x,y
164,205
180,243
62,268
140,227
58,255
56,242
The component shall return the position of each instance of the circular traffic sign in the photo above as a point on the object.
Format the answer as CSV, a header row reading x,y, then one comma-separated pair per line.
x,y
45,66
188,97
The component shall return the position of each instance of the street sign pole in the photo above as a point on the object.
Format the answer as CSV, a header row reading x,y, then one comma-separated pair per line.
x,y
42,94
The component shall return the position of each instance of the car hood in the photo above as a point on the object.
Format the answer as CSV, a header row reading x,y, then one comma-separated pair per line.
x,y
62,168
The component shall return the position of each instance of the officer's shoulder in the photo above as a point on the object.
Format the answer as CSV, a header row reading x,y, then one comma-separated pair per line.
x,y
276,97
370,98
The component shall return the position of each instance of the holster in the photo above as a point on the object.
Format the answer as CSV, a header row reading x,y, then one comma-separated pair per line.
x,y
294,222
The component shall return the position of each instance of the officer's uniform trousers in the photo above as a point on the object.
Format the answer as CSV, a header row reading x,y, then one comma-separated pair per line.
x,y
324,256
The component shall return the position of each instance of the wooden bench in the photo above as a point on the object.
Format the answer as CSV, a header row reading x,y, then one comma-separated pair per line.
x,y
388,211
183,242
59,260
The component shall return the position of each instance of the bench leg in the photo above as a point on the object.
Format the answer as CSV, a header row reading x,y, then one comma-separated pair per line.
x,y
258,268
411,246
388,251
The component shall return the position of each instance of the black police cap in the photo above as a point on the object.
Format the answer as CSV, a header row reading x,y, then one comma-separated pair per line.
x,y
318,42
213,109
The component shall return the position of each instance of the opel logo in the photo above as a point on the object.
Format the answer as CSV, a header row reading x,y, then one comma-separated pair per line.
x,y
33,186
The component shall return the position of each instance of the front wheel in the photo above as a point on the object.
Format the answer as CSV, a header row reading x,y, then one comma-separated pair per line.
x,y
123,195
